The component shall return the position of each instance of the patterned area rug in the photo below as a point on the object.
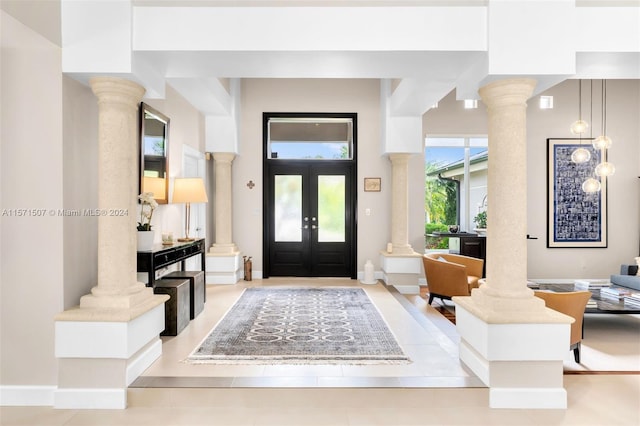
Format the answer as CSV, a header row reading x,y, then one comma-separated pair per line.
x,y
301,326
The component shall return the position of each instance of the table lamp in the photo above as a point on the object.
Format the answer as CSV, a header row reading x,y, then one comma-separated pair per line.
x,y
188,190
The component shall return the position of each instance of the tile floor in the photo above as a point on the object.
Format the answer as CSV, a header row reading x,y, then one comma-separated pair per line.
x,y
434,390
431,345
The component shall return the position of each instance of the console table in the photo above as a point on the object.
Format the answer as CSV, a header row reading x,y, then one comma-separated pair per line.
x,y
161,256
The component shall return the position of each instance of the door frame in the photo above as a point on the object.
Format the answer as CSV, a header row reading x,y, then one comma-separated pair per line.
x,y
266,171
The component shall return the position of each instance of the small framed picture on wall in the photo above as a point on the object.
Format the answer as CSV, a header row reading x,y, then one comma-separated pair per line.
x,y
372,184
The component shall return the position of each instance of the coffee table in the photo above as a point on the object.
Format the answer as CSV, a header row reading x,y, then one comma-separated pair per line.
x,y
597,304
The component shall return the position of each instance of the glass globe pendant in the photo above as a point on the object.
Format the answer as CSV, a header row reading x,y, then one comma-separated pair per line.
x,y
591,185
579,127
580,155
605,169
602,142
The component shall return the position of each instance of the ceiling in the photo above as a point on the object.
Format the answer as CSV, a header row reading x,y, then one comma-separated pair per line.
x,y
421,76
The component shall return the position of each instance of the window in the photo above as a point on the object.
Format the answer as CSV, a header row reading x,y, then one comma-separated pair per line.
x,y
314,138
456,182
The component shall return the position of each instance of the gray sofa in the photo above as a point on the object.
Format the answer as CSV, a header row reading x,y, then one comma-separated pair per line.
x,y
627,277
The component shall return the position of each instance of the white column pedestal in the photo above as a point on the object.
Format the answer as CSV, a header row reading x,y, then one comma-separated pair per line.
x,y
224,268
520,360
98,360
402,271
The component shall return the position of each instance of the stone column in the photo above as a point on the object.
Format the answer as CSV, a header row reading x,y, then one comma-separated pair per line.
x,y
508,338
113,336
400,204
506,279
223,206
117,287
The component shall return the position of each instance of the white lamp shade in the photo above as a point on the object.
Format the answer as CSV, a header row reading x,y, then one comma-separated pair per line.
x,y
189,190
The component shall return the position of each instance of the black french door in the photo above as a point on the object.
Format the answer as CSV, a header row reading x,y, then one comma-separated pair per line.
x,y
309,219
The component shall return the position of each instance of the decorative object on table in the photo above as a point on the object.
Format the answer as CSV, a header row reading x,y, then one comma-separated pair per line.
x,y
167,239
145,233
638,262
481,222
575,218
188,190
372,184
454,229
323,325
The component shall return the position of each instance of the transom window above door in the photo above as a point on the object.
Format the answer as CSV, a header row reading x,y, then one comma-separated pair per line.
x,y
310,138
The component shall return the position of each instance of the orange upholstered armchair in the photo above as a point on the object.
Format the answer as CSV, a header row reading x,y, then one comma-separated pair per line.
x,y
451,275
573,304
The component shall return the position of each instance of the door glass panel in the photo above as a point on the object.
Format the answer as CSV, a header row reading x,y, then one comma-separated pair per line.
x,y
331,208
288,208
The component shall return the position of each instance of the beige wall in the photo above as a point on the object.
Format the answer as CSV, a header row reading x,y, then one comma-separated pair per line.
x,y
623,110
31,177
623,126
285,95
80,174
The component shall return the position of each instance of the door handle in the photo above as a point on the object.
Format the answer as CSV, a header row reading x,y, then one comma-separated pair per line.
x,y
314,227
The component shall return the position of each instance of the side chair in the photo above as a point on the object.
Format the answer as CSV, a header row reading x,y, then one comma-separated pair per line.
x,y
451,275
573,304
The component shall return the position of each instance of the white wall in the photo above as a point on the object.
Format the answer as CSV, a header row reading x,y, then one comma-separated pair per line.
x,y
623,110
31,177
360,96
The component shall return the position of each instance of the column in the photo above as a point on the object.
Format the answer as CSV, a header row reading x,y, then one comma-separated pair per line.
x,y
223,206
507,197
117,287
113,336
508,338
400,204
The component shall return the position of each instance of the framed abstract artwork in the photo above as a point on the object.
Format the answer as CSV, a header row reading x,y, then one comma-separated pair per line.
x,y
575,218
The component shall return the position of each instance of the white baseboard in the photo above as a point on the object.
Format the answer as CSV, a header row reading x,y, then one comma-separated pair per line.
x,y
143,361
540,398
112,399
26,395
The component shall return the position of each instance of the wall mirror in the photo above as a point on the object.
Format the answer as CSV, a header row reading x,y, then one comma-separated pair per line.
x,y
154,150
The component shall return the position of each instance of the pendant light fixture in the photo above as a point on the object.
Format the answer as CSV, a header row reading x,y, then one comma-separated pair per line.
x,y
591,185
580,155
603,141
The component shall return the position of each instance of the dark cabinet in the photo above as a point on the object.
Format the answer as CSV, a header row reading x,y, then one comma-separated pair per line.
x,y
472,245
